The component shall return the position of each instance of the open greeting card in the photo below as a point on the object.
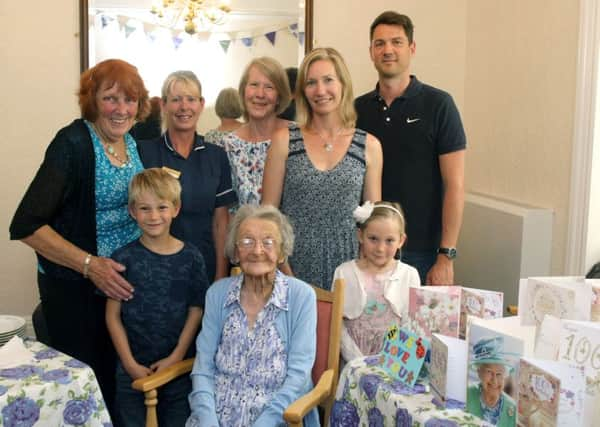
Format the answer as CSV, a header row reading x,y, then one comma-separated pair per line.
x,y
550,393
576,342
479,303
403,354
595,312
493,363
434,309
447,368
562,297
510,326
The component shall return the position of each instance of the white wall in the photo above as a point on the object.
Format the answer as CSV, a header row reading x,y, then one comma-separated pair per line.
x,y
519,104
39,52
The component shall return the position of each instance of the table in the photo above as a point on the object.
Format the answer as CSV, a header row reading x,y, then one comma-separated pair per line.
x,y
52,390
367,396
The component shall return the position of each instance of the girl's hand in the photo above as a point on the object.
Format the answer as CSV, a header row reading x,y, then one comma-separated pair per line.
x,y
137,371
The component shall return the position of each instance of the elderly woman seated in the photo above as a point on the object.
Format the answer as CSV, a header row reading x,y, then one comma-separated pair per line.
x,y
258,339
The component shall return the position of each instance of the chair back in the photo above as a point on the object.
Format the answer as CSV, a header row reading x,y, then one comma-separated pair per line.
x,y
330,306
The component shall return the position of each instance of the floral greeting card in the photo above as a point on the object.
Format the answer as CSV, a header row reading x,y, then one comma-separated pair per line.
x,y
562,297
479,303
434,309
550,393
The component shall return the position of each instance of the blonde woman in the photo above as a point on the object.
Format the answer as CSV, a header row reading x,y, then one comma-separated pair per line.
x,y
319,171
202,169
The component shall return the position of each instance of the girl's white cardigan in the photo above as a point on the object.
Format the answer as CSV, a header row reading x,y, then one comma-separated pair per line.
x,y
395,292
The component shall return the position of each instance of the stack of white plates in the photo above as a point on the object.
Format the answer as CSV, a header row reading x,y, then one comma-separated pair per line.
x,y
11,326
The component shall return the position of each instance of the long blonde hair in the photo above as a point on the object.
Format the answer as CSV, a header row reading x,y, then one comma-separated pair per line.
x,y
303,108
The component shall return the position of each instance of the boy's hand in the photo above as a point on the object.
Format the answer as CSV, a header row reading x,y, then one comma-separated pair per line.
x,y
164,363
137,371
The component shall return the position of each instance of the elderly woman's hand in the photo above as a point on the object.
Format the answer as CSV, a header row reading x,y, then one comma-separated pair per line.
x,y
105,273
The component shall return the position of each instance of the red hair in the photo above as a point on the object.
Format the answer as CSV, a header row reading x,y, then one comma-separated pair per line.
x,y
112,71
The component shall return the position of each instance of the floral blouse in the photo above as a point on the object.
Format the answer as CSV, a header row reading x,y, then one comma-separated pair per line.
x,y
114,225
251,363
215,136
247,160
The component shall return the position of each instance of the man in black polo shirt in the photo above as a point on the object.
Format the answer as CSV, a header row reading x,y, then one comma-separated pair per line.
x,y
423,149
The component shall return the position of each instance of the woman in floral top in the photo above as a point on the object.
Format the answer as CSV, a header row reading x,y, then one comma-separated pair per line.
x,y
265,94
258,342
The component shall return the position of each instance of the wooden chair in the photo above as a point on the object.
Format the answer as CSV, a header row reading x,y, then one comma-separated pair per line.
x,y
325,371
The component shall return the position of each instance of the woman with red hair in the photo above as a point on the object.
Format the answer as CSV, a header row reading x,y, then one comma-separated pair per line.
x,y
74,214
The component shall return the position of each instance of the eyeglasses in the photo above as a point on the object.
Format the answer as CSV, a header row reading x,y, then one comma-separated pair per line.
x,y
248,243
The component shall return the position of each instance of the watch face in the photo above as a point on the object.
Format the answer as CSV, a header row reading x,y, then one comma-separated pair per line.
x,y
449,252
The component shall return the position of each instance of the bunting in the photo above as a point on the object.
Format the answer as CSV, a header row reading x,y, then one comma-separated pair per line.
x,y
248,41
271,37
225,45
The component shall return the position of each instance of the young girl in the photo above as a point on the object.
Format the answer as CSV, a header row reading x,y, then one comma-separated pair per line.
x,y
376,284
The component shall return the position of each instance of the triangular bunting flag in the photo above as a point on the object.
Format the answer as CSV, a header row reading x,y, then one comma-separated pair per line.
x,y
247,41
128,30
301,38
271,37
177,41
225,44
105,19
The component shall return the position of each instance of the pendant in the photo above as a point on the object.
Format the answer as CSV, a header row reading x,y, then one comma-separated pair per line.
x,y
328,147
110,149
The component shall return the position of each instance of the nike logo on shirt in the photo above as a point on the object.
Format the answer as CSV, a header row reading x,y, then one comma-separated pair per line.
x,y
409,120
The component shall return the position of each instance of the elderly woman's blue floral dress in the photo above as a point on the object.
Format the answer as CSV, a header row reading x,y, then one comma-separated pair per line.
x,y
246,376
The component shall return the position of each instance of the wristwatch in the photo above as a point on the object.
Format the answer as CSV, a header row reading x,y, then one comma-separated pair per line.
x,y
449,252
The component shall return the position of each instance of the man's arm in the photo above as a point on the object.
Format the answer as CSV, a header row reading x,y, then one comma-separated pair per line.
x,y
452,168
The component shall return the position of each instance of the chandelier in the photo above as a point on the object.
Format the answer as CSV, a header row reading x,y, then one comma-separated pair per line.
x,y
194,14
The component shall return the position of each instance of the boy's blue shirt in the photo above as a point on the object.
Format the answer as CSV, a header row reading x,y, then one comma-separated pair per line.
x,y
165,286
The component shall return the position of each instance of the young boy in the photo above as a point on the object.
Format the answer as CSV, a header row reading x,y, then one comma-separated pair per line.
x,y
155,328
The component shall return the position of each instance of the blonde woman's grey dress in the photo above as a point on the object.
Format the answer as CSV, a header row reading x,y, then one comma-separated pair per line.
x,y
319,205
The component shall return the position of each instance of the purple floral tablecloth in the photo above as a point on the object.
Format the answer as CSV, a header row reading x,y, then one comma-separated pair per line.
x,y
367,396
52,390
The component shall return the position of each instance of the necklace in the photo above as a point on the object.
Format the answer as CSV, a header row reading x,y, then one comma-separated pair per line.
x,y
112,152
328,143
110,149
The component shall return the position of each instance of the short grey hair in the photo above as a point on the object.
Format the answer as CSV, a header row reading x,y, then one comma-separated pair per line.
x,y
228,104
266,213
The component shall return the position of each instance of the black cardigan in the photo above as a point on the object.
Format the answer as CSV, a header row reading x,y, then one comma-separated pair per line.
x,y
63,196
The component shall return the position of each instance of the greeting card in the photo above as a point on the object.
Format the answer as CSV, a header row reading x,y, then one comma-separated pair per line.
x,y
580,344
448,368
479,303
403,354
595,311
510,326
550,393
492,365
434,309
562,297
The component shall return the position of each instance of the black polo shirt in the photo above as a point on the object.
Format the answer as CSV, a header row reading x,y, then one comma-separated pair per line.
x,y
205,185
414,131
